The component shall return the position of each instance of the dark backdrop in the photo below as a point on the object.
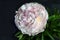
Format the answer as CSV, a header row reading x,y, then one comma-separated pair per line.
x,y
7,12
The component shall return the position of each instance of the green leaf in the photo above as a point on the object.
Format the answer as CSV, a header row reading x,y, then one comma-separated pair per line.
x,y
59,35
30,38
56,30
17,33
20,36
37,37
50,35
54,17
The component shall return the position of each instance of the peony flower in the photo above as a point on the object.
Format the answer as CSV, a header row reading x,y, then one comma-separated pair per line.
x,y
31,18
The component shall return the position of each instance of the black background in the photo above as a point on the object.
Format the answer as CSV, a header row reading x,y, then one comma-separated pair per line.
x,y
7,12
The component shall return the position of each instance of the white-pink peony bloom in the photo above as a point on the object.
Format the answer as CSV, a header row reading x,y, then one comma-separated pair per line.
x,y
31,18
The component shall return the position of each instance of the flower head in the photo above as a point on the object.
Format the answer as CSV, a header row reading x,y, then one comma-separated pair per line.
x,y
31,18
